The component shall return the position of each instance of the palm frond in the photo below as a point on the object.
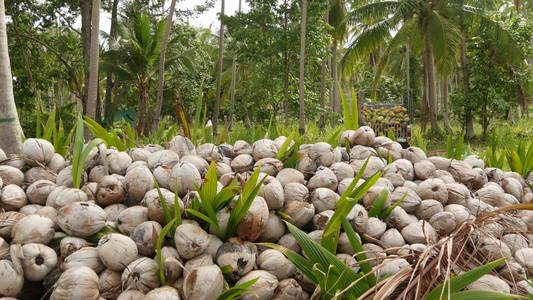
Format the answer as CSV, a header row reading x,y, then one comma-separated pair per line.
x,y
445,38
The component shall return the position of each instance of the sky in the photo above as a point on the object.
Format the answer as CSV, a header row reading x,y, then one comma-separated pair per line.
x,y
205,20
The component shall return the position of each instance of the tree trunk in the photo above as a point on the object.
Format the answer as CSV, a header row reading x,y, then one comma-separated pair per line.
x,y
109,78
219,71
10,131
322,122
85,8
469,119
161,81
286,62
92,97
335,76
424,107
302,67
431,84
445,95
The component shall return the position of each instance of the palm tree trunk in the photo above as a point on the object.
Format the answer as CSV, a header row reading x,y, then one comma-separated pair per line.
x,y
219,71
286,63
322,122
335,76
161,81
85,8
109,76
431,84
469,119
424,108
10,131
445,97
92,97
301,128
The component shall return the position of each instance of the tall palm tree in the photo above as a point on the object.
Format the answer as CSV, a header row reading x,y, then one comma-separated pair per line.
x,y
135,57
92,98
301,128
219,70
10,130
433,25
336,15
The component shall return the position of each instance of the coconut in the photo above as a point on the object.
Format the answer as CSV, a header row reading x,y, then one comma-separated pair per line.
x,y
204,282
514,187
129,218
323,177
62,196
441,163
238,256
56,163
200,163
491,193
136,164
475,161
109,191
391,266
392,238
289,175
223,168
187,177
273,193
375,227
264,148
411,201
263,288
364,136
414,154
342,171
420,232
374,165
273,262
371,195
209,152
37,149
404,168
32,229
38,260
64,177
428,208
320,220
145,237
81,219
515,242
433,188
191,240
155,207
424,169
139,154
274,228
307,166
241,147
11,175
172,263
162,158
13,197
288,289
39,173
324,199
50,213
296,192
182,146
29,209
393,148
461,172
490,283
242,163
300,213
253,223
443,223
86,256
374,253
137,182
97,173
359,152
141,274
269,165
460,212
12,273
118,162
345,184
114,210
322,154
457,193
110,284
77,283
358,218
162,175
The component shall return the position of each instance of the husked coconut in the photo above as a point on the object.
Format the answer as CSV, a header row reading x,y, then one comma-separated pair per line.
x,y
203,283
375,227
523,257
514,187
38,260
273,193
512,270
172,263
515,241
182,146
372,194
162,176
39,150
136,164
494,174
86,256
118,162
460,212
241,147
64,177
238,256
225,150
358,218
223,168
480,178
323,177
76,283
392,238
32,229
137,182
110,284
141,274
410,202
97,173
280,140
109,191
393,148
374,165
321,220
187,177
269,165
200,163
509,199
441,163
39,173
461,172
155,207
420,232
491,193
424,169
428,208
300,213
477,207
342,171
414,154
364,136
113,210
253,223
443,222
307,166
50,213
264,148
345,184
11,175
445,176
289,175
490,283
433,188
130,217
374,253
162,293
191,240
81,219
166,158
62,196
457,193
347,137
263,288
139,154
145,235
359,152
197,261
405,168
324,199
153,148
295,191
56,163
323,154
288,289
29,209
475,161
242,163
13,197
90,189
274,228
273,262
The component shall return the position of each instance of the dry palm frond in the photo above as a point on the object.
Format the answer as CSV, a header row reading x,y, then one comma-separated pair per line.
x,y
452,255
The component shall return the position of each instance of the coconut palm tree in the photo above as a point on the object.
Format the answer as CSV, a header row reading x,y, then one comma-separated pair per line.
x,y
11,132
432,26
302,67
92,98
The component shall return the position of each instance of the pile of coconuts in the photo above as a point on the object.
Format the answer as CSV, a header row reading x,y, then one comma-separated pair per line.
x,y
47,227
